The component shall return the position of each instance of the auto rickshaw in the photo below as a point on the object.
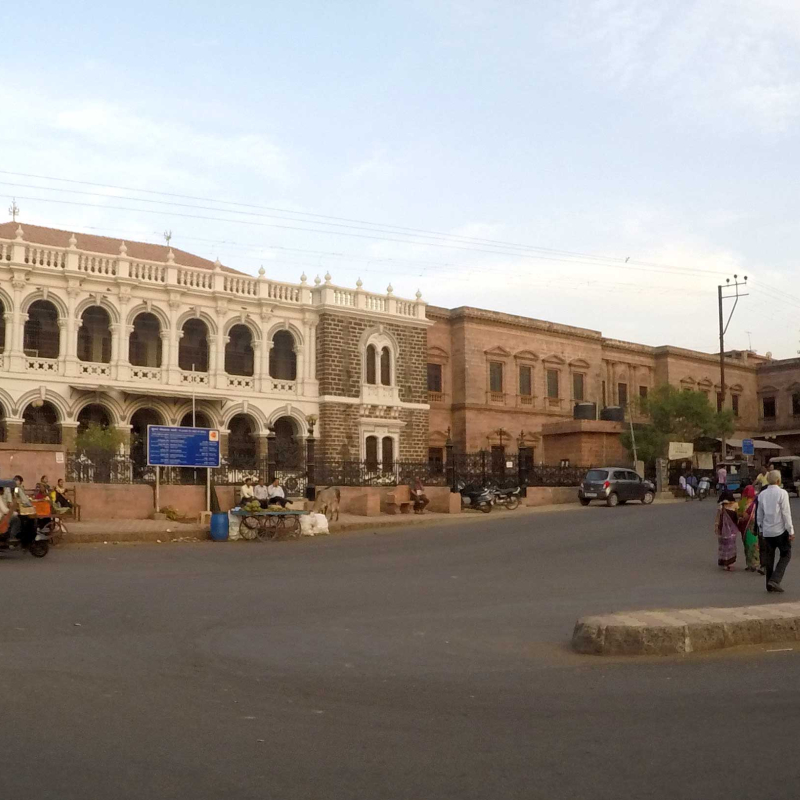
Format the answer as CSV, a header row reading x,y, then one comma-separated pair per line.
x,y
738,474
789,467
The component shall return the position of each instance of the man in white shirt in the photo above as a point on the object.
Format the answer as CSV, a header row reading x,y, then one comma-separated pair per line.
x,y
276,494
722,478
261,493
247,491
774,519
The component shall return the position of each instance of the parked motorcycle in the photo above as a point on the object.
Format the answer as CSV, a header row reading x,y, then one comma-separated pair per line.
x,y
508,497
477,497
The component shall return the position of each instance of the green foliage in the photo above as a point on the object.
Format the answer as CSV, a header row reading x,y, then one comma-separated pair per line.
x,y
677,416
99,439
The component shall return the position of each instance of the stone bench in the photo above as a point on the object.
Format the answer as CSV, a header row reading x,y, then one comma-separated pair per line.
x,y
399,501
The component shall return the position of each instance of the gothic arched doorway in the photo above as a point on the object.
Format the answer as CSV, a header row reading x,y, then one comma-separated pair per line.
x,y
139,422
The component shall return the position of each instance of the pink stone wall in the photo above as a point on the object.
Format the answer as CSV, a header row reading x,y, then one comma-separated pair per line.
x,y
108,501
31,461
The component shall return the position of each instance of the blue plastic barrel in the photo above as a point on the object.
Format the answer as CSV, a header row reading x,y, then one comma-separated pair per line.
x,y
219,527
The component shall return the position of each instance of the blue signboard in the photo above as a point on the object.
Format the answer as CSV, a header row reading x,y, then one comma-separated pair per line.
x,y
169,446
747,447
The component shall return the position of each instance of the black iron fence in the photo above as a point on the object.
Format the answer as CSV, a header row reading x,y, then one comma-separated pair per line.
x,y
470,468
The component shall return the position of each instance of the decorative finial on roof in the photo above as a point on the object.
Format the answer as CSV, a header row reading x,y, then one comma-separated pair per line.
x,y
217,265
317,281
327,277
390,289
304,279
170,257
261,271
73,241
359,283
123,249
19,233
418,295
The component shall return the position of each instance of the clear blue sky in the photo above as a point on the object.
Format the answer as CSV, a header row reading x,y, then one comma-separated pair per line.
x,y
666,133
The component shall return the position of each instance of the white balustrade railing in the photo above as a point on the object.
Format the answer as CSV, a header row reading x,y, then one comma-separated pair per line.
x,y
344,297
375,303
146,373
195,278
97,265
42,364
236,284
406,308
45,257
241,382
283,291
98,370
147,272
5,251
198,378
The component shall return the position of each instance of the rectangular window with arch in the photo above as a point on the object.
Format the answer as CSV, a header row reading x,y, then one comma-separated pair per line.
x,y
525,381
387,453
796,404
371,452
735,404
496,377
643,392
435,378
552,383
578,386
622,394
768,407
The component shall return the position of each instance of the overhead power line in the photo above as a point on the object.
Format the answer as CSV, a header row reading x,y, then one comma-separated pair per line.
x,y
452,240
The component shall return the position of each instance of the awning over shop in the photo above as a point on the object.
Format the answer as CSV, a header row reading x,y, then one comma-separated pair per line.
x,y
758,444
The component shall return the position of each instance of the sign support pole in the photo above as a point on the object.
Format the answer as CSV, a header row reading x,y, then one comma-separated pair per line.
x,y
158,489
208,490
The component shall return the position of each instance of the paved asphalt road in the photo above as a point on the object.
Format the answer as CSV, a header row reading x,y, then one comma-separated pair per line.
x,y
428,663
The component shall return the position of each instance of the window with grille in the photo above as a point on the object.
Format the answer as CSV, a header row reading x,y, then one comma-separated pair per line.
x,y
435,378
525,381
577,386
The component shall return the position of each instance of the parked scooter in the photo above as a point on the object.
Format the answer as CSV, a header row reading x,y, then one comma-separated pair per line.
x,y
703,488
480,498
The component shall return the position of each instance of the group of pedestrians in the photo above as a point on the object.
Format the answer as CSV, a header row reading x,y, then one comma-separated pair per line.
x,y
762,519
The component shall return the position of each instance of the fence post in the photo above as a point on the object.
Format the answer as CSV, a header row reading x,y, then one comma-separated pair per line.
x,y
483,467
451,464
310,467
271,454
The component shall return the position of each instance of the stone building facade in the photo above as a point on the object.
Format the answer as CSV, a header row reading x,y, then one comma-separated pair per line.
x,y
131,334
500,381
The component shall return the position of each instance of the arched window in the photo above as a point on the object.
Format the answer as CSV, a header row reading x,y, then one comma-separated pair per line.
x,y
239,351
288,452
93,414
242,446
139,422
145,341
387,453
282,357
3,429
2,327
94,336
386,367
40,424
41,338
201,420
193,346
371,452
372,357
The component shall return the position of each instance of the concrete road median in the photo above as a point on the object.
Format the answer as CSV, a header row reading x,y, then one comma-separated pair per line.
x,y
681,631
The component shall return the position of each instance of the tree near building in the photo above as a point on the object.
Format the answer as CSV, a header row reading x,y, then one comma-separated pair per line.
x,y
676,415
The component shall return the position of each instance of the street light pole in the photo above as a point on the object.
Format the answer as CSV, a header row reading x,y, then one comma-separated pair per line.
x,y
723,328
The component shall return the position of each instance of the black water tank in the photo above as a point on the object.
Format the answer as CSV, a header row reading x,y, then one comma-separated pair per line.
x,y
584,411
613,414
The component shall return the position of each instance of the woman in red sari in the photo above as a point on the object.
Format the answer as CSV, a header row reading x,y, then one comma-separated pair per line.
x,y
727,530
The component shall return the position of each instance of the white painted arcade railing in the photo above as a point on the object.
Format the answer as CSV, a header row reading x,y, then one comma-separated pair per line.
x,y
217,281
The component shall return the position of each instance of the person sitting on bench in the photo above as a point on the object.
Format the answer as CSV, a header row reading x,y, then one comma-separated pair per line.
x,y
276,495
261,493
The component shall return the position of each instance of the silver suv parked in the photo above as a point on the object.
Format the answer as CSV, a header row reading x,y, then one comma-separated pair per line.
x,y
615,486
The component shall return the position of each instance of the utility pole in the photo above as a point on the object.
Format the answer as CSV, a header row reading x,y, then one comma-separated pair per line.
x,y
723,328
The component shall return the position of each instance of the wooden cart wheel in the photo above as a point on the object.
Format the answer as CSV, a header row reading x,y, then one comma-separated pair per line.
x,y
249,528
271,529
